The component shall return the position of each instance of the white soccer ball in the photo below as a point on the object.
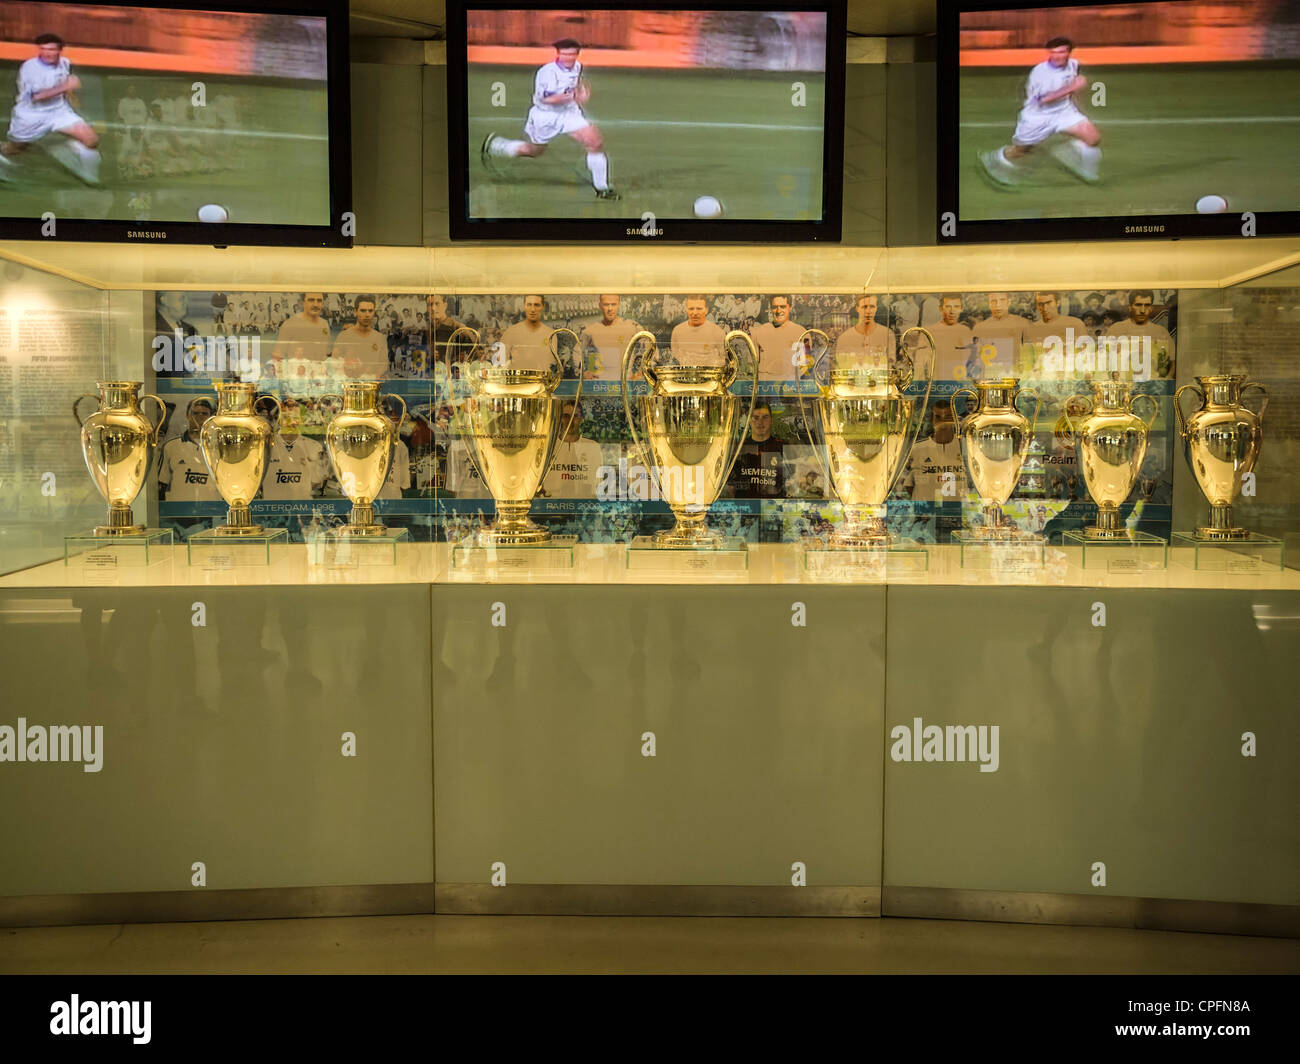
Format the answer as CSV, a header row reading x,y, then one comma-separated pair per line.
x,y
708,207
1211,205
212,213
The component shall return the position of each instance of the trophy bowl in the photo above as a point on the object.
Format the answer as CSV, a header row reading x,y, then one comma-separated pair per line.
x,y
995,438
360,439
1112,441
865,422
116,441
1222,439
513,424
690,420
235,442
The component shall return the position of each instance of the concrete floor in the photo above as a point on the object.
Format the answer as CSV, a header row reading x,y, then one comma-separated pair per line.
x,y
521,944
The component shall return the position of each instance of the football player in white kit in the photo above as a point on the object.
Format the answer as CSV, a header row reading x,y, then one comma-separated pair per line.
x,y
559,92
41,107
1050,109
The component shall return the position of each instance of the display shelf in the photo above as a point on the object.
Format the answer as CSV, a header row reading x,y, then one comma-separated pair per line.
x,y
1251,554
98,552
1132,551
215,549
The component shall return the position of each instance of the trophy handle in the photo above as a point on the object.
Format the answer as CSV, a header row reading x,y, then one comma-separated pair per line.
x,y
278,409
161,406
1178,406
1038,408
958,418
331,395
475,344
1074,435
1262,390
577,396
641,448
1155,407
822,463
925,403
753,393
400,420
77,402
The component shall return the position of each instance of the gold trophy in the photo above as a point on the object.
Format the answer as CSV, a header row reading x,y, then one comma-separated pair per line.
x,y
1222,440
691,423
995,438
116,441
1112,443
236,441
360,439
864,421
513,427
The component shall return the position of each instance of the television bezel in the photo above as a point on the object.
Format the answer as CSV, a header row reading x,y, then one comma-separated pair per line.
x,y
460,155
1083,228
234,234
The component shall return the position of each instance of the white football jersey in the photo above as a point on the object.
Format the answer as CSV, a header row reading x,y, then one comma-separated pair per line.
x,y
1046,79
184,473
294,470
399,472
552,79
35,76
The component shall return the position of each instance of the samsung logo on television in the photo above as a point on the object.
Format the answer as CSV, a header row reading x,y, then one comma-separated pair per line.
x,y
1144,228
645,231
141,234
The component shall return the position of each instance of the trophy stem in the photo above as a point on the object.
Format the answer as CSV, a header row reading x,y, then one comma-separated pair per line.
x,y
361,521
691,529
993,518
512,526
121,522
1107,526
239,522
864,526
1221,526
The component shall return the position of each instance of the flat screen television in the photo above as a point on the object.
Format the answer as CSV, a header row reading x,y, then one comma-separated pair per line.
x,y
629,123
1098,121
150,122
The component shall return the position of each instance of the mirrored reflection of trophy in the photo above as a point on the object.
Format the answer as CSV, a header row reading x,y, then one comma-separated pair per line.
x,y
694,429
1112,442
868,429
360,439
116,441
995,438
513,423
236,441
1222,440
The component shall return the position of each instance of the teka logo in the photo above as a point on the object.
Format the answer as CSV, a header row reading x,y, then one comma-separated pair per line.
x,y
102,1017
956,742
144,234
281,477
193,477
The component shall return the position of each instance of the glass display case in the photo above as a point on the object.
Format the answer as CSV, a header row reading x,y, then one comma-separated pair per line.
x,y
574,511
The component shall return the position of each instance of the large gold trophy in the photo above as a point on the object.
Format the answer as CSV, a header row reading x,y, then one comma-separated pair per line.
x,y
1112,444
864,421
236,441
1222,440
694,432
511,419
995,438
360,440
116,441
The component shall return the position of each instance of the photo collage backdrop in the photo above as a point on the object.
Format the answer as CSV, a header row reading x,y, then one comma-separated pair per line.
x,y
300,346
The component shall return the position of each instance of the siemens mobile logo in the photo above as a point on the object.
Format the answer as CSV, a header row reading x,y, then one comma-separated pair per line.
x,y
144,234
1144,228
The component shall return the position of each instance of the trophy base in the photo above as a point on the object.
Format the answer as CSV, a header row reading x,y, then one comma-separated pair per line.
x,y
1252,553
484,553
841,559
1119,550
1220,534
215,548
120,548
1003,550
347,548
237,531
665,553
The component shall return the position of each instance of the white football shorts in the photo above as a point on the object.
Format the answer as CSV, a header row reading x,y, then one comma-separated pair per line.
x,y
1034,126
30,125
544,125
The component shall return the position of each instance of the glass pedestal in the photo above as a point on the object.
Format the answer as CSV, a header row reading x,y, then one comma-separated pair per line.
x,y
478,555
212,549
898,559
334,551
117,552
1010,553
1252,554
724,554
1129,553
